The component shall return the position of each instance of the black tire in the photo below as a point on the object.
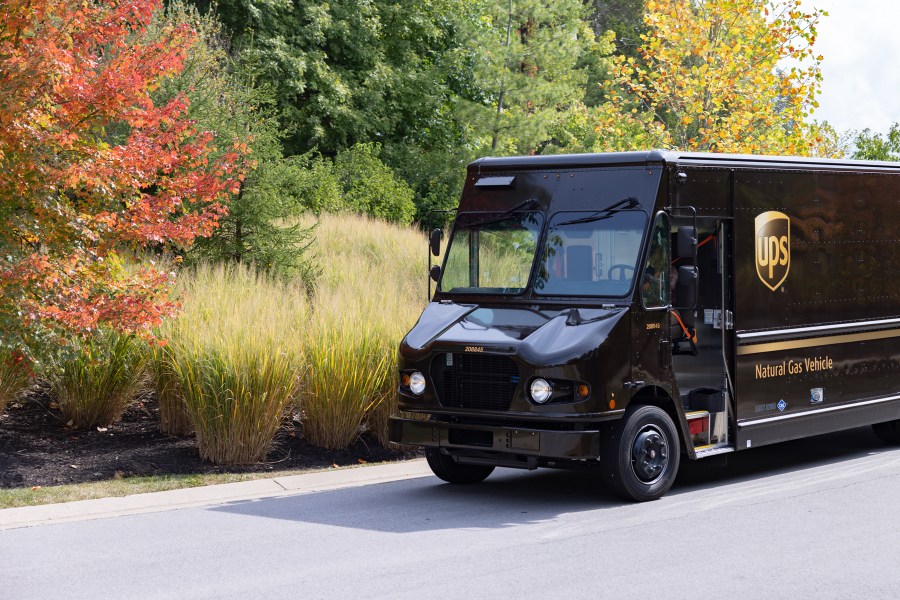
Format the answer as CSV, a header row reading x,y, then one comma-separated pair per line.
x,y
889,432
451,471
641,455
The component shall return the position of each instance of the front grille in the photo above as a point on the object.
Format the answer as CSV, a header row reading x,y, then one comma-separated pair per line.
x,y
478,381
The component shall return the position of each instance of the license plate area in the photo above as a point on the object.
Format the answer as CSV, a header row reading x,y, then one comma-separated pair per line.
x,y
470,437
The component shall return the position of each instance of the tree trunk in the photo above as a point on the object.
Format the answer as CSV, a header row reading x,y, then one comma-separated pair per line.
x,y
496,137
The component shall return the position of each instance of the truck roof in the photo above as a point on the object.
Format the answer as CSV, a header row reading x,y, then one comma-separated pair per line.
x,y
672,157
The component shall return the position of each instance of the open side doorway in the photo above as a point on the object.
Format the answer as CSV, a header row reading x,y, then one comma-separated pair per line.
x,y
702,348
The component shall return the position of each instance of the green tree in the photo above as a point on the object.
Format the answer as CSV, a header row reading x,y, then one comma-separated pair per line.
x,y
346,71
362,71
435,175
261,226
875,146
618,24
605,128
524,61
625,18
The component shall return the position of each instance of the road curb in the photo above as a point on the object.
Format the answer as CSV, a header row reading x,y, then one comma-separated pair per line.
x,y
307,483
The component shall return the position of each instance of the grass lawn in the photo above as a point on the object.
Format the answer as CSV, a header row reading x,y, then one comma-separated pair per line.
x,y
11,498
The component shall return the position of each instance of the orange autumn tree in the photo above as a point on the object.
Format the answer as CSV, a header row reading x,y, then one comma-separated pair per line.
x,y
92,172
727,76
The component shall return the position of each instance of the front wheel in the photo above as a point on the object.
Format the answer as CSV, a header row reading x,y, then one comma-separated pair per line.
x,y
451,471
888,432
640,457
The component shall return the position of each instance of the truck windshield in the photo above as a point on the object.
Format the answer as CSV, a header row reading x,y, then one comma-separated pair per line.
x,y
491,253
587,255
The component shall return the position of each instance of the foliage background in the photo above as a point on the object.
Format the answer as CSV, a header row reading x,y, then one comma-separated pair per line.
x,y
211,144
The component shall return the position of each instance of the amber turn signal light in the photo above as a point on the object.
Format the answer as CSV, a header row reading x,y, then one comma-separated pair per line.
x,y
583,391
404,379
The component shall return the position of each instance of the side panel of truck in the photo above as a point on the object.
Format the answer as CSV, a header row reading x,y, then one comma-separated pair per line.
x,y
815,344
818,338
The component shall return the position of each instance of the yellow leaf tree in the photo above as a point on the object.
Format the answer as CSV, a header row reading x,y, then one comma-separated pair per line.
x,y
727,76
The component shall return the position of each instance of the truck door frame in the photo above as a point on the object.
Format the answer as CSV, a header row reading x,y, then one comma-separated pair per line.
x,y
713,366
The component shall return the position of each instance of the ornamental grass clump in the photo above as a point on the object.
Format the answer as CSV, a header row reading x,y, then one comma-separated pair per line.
x,y
236,395
234,357
371,291
15,377
248,347
173,415
98,378
384,405
347,367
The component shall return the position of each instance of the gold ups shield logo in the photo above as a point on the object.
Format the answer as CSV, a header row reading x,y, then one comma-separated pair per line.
x,y
773,248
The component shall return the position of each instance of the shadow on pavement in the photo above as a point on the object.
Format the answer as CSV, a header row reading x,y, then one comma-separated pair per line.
x,y
510,497
785,457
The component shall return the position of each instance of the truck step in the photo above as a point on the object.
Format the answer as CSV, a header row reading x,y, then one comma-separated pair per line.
x,y
713,449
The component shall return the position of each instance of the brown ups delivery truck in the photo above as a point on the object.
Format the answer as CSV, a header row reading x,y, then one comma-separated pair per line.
x,y
627,311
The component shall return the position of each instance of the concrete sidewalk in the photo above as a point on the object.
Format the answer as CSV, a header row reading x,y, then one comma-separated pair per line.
x,y
319,481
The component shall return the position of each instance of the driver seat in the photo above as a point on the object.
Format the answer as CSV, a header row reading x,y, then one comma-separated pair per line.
x,y
683,293
580,263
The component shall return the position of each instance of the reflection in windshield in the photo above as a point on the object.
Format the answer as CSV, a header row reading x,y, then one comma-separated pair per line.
x,y
490,255
588,257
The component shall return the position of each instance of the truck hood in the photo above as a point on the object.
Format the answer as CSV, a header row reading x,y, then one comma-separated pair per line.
x,y
539,337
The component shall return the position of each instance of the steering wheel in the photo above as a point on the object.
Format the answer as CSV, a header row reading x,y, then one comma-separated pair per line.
x,y
621,269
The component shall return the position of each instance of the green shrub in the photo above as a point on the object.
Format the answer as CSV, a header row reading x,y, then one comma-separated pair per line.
x,y
95,382
370,187
436,177
311,184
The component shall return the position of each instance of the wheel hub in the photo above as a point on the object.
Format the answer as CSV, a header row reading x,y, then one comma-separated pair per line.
x,y
649,454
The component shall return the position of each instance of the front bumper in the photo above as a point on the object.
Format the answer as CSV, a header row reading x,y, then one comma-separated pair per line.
x,y
575,445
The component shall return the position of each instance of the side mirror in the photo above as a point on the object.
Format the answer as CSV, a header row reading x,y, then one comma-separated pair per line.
x,y
687,242
434,242
435,273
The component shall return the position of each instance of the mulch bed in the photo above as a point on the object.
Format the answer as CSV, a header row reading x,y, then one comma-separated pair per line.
x,y
37,449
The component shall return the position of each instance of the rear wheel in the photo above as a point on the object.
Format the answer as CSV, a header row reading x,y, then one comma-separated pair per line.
x,y
640,458
451,471
889,432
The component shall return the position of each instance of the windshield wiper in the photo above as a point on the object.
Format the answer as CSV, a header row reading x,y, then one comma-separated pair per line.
x,y
624,204
502,216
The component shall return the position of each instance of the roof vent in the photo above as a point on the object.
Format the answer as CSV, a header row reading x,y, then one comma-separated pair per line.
x,y
495,182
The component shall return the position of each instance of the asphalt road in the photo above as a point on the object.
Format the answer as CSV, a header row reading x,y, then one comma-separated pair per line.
x,y
809,519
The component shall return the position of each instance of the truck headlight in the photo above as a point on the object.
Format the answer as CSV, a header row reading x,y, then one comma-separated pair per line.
x,y
541,390
417,383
